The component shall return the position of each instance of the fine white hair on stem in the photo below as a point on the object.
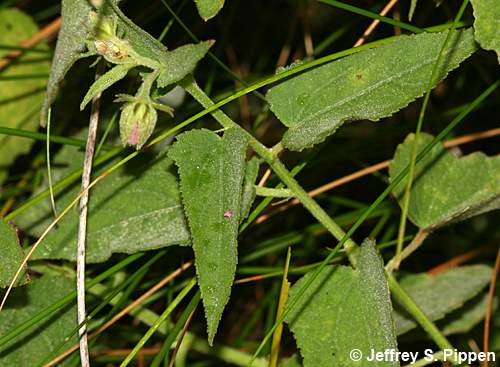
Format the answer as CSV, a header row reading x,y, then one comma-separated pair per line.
x,y
82,225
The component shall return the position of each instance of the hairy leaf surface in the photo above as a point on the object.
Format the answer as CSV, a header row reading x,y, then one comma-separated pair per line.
x,y
19,99
344,309
441,294
38,344
211,173
487,24
180,62
70,44
12,256
105,81
135,209
370,84
446,188
209,8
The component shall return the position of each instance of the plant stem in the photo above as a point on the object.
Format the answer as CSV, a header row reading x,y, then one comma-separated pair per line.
x,y
82,225
418,314
273,192
408,250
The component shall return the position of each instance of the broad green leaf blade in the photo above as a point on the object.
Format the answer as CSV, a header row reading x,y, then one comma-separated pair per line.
x,y
180,62
209,8
135,209
12,256
211,173
39,343
368,85
106,80
248,194
446,188
441,294
344,309
487,24
70,44
19,99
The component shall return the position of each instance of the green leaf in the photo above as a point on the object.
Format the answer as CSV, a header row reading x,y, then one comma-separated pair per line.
x,y
106,80
39,343
487,24
211,173
370,84
209,8
70,44
446,188
135,209
12,256
467,317
248,194
344,309
19,99
441,294
180,62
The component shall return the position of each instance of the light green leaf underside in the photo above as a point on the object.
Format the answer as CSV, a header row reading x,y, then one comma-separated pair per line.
x,y
441,294
19,99
487,24
106,80
181,61
446,188
70,43
368,85
39,343
468,316
12,256
209,8
211,173
135,209
344,309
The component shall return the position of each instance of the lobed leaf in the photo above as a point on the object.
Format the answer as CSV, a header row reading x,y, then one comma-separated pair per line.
x,y
38,344
136,209
12,256
487,24
368,85
446,188
74,32
209,8
344,309
439,295
19,99
211,171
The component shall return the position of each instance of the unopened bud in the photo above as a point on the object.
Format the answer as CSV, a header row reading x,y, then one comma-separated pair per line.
x,y
137,122
103,27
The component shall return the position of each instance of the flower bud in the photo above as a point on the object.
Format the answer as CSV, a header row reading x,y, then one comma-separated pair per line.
x,y
137,122
103,27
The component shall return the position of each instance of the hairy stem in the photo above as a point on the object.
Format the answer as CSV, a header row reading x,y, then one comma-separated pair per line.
x,y
82,225
418,314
